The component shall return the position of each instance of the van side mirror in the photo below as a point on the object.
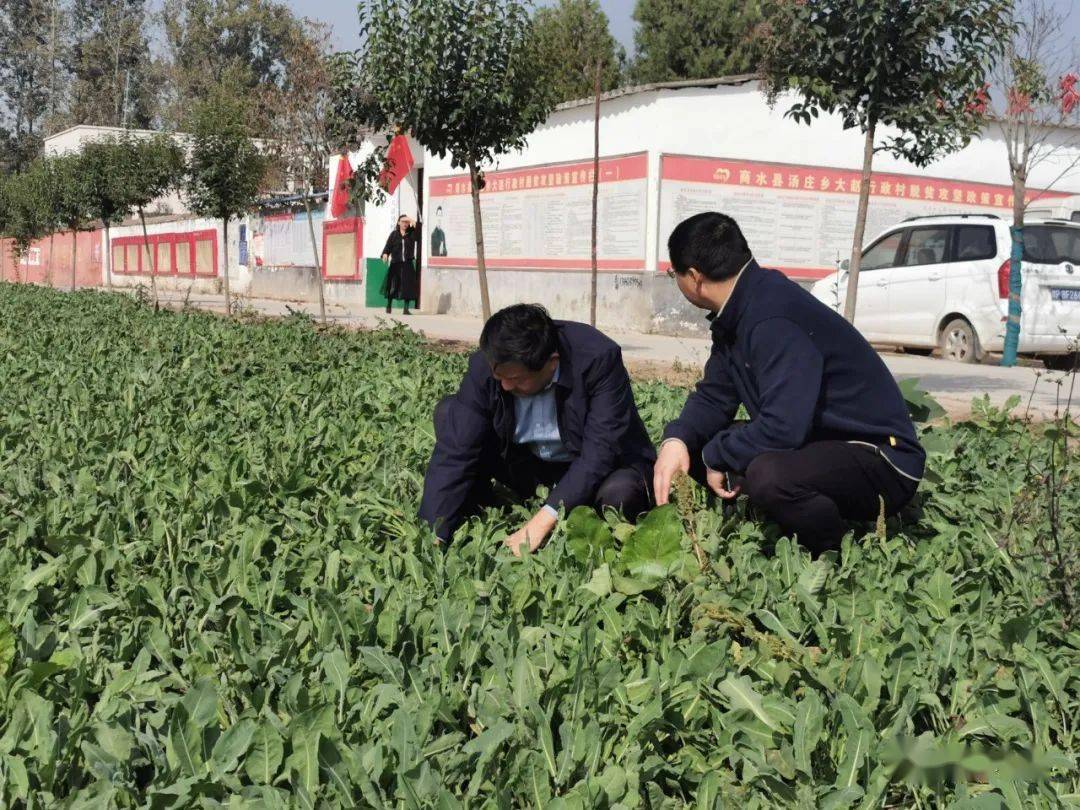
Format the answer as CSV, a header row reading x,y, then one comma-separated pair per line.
x,y
845,265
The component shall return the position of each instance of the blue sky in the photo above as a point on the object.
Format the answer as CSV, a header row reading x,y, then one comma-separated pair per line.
x,y
341,16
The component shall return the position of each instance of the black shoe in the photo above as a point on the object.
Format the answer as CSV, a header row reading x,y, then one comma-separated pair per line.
x,y
387,309
406,311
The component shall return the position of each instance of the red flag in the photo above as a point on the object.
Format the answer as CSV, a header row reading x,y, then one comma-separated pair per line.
x,y
399,162
1070,98
339,201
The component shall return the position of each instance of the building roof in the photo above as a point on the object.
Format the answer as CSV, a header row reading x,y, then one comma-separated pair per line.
x,y
101,130
720,81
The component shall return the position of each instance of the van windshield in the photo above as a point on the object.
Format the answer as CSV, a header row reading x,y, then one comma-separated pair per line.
x,y
1051,244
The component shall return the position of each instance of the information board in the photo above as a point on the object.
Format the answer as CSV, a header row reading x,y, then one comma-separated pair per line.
x,y
540,217
801,219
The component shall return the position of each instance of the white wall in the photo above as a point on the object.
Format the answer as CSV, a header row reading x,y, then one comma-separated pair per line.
x,y
239,275
736,122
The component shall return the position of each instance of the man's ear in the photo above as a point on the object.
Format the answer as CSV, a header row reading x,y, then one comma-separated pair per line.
x,y
696,276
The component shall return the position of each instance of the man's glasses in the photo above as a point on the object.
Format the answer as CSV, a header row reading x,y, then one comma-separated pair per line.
x,y
670,273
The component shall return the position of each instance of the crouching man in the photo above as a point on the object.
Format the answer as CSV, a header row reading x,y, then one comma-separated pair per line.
x,y
544,403
829,436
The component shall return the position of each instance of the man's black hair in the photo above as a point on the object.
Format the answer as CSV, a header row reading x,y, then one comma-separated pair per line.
x,y
710,242
522,333
403,216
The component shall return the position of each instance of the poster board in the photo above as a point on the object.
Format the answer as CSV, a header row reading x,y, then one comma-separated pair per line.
x,y
540,217
801,218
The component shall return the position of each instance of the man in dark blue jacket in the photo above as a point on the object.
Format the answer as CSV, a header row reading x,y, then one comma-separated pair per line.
x,y
829,435
544,403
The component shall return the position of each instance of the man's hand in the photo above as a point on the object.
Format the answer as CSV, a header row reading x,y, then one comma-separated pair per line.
x,y
674,457
719,483
533,534
386,258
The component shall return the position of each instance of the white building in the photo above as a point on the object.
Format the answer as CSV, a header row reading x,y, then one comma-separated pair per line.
x,y
668,151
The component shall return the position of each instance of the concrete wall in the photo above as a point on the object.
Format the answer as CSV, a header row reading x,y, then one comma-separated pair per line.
x,y
239,275
624,300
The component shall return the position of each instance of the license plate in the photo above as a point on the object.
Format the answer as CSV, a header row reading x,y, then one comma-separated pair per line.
x,y
1065,293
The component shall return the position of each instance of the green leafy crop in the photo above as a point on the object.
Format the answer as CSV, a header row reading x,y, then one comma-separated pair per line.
x,y
215,593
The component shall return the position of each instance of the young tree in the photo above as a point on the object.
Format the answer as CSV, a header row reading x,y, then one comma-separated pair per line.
x,y
104,168
28,199
155,166
225,169
302,117
695,39
51,193
461,76
1034,93
570,37
912,66
74,202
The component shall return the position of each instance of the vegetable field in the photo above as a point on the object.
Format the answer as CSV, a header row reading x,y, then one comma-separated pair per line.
x,y
216,594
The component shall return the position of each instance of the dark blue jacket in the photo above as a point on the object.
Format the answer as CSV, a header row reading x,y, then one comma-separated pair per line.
x,y
598,423
804,374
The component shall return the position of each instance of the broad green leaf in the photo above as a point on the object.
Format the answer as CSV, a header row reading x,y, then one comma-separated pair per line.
x,y
232,745
743,696
587,534
263,760
655,546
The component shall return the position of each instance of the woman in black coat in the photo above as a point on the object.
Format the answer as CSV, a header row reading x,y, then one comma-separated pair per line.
x,y
401,252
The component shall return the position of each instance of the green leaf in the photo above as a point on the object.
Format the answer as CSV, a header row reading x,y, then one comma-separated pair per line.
x,y
742,696
587,535
600,583
859,736
7,647
201,703
655,546
232,745
264,757
336,669
809,721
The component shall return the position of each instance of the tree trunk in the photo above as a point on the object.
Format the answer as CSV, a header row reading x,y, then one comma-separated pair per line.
x,y
478,224
1012,323
318,264
52,242
74,256
3,258
595,193
149,258
108,257
225,244
860,225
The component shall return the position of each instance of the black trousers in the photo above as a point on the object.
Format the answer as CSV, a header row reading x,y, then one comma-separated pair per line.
x,y
811,492
626,490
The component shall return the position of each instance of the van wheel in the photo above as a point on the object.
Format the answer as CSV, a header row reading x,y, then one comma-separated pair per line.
x,y
959,342
1062,362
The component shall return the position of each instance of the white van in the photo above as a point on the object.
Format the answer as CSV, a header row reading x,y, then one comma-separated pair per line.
x,y
943,282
